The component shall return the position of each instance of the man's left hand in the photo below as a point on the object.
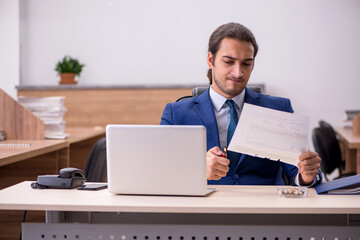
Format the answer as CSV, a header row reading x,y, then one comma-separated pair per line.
x,y
309,166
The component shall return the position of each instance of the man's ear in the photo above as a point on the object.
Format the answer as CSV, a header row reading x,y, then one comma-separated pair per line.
x,y
210,60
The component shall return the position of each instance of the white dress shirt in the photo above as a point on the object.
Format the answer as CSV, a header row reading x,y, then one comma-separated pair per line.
x,y
222,113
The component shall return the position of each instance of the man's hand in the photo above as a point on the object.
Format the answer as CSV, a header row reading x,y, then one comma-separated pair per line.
x,y
217,166
308,167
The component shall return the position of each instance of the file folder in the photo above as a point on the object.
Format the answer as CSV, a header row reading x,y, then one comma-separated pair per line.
x,y
346,185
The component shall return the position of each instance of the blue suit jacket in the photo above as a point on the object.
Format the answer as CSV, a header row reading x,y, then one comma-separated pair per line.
x,y
249,170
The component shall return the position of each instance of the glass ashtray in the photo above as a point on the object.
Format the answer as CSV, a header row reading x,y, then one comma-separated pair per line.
x,y
292,192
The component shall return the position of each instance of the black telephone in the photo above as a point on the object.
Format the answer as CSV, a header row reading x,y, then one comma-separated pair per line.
x,y
68,178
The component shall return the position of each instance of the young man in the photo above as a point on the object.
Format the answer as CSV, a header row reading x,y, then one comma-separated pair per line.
x,y
231,57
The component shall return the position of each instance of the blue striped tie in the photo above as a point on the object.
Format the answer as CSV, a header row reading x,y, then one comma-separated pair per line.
x,y
232,156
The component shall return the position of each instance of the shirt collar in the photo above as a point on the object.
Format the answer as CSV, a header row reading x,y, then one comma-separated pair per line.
x,y
218,100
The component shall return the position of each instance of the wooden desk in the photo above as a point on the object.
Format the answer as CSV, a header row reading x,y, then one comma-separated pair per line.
x,y
20,163
226,199
81,140
17,150
351,146
228,211
78,134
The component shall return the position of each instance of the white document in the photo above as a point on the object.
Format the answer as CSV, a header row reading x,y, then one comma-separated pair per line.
x,y
272,134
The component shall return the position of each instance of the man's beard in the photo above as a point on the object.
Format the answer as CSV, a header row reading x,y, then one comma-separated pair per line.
x,y
228,91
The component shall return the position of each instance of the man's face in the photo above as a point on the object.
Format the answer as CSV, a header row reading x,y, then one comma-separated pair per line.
x,y
232,67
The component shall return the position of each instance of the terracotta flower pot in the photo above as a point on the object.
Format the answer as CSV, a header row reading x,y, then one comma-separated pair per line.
x,y
67,78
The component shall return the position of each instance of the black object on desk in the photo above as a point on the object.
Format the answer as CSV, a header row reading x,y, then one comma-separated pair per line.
x,y
93,186
68,178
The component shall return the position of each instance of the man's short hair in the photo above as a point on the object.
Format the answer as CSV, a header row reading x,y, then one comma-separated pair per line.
x,y
229,30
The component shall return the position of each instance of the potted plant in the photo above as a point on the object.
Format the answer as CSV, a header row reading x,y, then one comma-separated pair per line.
x,y
68,68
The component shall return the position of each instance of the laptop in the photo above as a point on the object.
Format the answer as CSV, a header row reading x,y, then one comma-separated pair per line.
x,y
156,160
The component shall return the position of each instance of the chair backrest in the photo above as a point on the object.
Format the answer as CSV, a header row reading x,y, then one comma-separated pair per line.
x,y
197,91
327,146
327,125
95,169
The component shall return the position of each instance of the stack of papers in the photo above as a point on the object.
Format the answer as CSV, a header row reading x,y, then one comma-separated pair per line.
x,y
349,116
51,111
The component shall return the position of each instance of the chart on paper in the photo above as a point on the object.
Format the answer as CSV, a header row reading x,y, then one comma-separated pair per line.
x,y
272,134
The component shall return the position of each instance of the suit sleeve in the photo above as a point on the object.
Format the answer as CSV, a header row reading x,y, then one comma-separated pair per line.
x,y
290,171
166,118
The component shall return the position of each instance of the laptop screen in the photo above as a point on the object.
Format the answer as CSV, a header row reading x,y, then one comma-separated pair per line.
x,y
156,159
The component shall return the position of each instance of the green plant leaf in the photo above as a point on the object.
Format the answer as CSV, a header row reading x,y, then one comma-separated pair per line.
x,y
69,65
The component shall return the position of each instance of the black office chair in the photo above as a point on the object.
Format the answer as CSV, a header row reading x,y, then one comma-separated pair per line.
x,y
327,125
197,91
95,169
327,146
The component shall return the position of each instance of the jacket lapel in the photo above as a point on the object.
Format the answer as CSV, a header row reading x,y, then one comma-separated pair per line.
x,y
252,97
205,111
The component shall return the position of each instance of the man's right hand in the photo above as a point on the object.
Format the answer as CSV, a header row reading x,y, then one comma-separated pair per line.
x,y
217,166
